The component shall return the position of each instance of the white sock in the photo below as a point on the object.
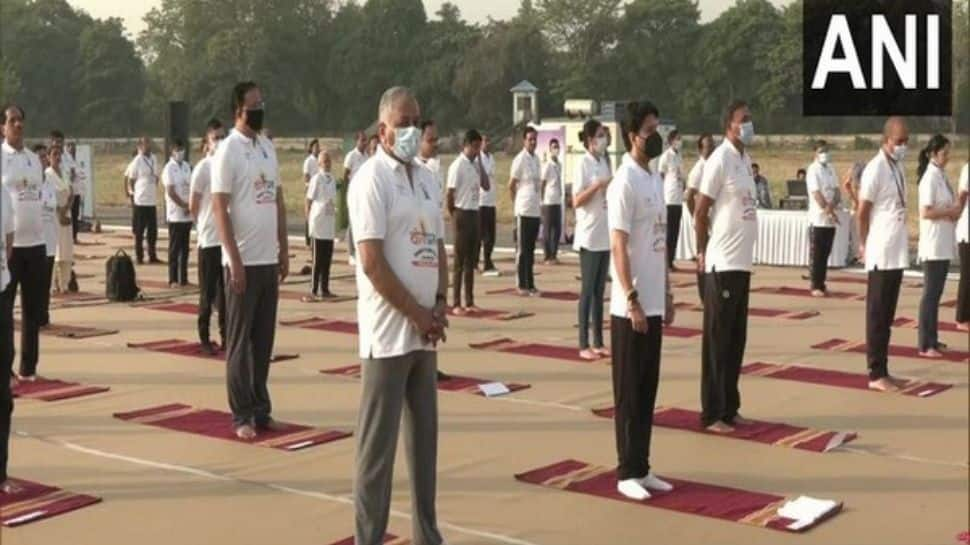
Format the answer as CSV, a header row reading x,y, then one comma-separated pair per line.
x,y
632,489
653,482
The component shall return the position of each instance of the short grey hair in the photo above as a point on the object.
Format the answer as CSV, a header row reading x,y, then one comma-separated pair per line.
x,y
391,97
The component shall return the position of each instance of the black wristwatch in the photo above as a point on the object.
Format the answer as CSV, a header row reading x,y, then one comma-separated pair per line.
x,y
440,298
632,296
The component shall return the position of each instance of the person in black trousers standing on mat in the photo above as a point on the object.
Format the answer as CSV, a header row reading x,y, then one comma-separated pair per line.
x,y
524,185
321,212
141,184
7,379
486,209
465,179
211,285
726,227
551,209
671,167
176,178
884,247
823,198
705,147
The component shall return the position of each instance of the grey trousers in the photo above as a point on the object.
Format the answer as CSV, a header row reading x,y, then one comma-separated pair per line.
x,y
388,385
250,329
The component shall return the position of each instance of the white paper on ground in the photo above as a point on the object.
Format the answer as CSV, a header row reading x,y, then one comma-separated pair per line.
x,y
836,441
805,511
493,389
298,446
26,517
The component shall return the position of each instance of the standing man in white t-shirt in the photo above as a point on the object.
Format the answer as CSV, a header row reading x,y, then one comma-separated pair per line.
x,y
211,284
726,227
428,153
551,209
465,180
177,178
402,275
309,171
7,228
486,211
352,163
963,243
141,182
524,184
247,201
885,246
22,175
823,199
48,201
321,209
671,167
705,147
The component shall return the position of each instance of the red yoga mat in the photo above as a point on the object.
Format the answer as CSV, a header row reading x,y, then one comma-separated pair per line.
x,y
862,279
181,308
760,312
840,379
859,347
556,295
541,350
706,500
909,323
389,539
218,424
323,324
179,347
36,501
298,296
66,331
805,292
454,383
769,433
485,314
46,389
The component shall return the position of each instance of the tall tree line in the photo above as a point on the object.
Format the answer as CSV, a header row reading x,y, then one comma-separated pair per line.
x,y
324,63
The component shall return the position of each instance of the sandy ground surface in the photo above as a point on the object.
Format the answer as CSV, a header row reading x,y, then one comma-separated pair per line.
x,y
903,481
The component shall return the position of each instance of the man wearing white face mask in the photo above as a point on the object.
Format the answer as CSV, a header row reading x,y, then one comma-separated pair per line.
x,y
884,247
177,178
670,166
726,227
402,276
823,198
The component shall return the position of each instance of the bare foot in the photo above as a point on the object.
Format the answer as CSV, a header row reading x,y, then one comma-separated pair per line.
x,y
602,351
720,427
459,311
931,353
589,354
28,378
742,421
883,385
10,488
963,326
818,293
245,432
522,292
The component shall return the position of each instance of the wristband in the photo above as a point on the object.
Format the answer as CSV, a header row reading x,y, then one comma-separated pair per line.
x,y
440,298
632,296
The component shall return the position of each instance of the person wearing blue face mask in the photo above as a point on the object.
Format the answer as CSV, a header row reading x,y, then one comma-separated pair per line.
x,y
823,198
726,227
402,277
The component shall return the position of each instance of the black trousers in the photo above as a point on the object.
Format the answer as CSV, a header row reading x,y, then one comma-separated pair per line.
x,y
486,215
28,268
674,212
467,225
725,336
636,375
75,215
882,294
963,294
322,258
45,317
178,252
552,229
250,332
820,244
594,268
211,292
6,371
144,224
700,287
934,280
528,233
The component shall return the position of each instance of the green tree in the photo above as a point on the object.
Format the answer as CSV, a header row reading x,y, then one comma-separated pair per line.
x,y
110,81
581,33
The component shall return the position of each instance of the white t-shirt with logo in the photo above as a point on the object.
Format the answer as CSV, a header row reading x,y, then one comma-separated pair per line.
x,y
592,226
883,183
488,197
937,238
179,176
552,176
310,166
322,192
465,178
963,226
23,177
7,226
729,181
207,235
670,166
695,174
144,171
820,178
354,160
48,203
246,170
636,207
385,205
526,169
71,173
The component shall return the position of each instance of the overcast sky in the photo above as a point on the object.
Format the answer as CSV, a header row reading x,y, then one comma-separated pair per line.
x,y
132,11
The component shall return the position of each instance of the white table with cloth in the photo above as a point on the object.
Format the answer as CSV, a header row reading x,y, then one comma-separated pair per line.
x,y
783,239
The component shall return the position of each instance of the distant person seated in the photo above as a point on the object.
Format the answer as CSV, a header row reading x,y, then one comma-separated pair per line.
x,y
762,191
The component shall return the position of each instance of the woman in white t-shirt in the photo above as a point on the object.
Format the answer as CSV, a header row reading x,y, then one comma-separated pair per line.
x,y
963,241
64,252
48,208
592,236
309,171
321,213
938,212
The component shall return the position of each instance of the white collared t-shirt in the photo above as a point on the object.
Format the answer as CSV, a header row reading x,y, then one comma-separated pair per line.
x,y
963,226
552,175
592,228
488,197
7,226
23,177
669,165
937,238
695,175
48,203
883,184
322,192
177,175
385,205
246,170
207,236
729,181
143,170
354,160
71,173
820,178
636,207
526,169
465,178
310,166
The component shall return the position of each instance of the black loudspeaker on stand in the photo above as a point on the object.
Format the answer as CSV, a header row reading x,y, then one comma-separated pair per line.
x,y
178,127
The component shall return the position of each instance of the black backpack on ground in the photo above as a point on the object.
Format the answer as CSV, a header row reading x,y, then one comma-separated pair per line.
x,y
119,279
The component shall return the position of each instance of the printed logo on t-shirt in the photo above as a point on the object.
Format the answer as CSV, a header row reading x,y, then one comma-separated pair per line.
x,y
426,253
265,190
28,192
750,212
